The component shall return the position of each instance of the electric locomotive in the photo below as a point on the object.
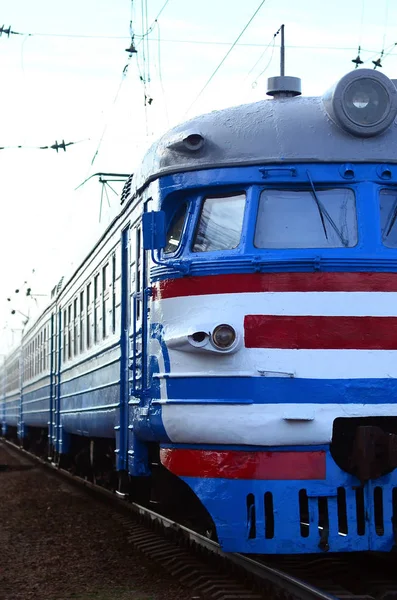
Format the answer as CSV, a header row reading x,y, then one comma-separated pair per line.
x,y
232,337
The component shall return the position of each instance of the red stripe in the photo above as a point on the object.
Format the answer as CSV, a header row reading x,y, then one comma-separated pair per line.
x,y
349,333
276,282
231,464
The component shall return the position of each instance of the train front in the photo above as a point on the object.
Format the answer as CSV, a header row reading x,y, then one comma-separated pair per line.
x,y
273,334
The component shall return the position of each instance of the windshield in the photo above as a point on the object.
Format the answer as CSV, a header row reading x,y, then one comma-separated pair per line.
x,y
388,217
304,219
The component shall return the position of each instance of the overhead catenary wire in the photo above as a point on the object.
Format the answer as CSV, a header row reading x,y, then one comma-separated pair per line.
x,y
123,75
159,71
191,41
357,61
8,31
378,61
147,97
226,55
151,27
272,41
386,24
254,83
361,22
56,146
147,41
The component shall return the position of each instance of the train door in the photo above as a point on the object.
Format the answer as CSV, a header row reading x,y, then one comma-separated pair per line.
x,y
137,336
138,299
121,425
129,450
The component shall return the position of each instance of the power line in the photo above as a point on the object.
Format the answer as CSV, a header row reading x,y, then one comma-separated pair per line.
x,y
123,76
255,83
272,41
226,55
386,24
147,97
159,70
161,10
150,29
265,46
180,41
147,41
8,32
57,146
362,22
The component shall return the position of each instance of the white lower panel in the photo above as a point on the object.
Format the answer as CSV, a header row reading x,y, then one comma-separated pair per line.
x,y
261,424
306,364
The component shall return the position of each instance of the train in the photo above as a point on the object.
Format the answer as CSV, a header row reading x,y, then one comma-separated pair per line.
x,y
228,347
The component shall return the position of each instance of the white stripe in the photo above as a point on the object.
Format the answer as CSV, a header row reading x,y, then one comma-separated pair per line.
x,y
310,364
326,364
183,316
360,304
261,424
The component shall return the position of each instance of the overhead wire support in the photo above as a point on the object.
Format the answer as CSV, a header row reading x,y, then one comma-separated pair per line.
x,y
105,179
8,31
113,177
225,57
378,62
357,61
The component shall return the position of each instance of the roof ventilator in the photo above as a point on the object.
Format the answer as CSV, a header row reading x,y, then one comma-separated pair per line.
x,y
284,86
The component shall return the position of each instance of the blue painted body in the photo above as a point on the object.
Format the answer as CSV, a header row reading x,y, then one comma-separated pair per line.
x,y
109,390
226,500
368,255
280,390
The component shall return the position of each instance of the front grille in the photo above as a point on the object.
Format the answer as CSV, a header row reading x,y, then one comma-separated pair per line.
x,y
349,512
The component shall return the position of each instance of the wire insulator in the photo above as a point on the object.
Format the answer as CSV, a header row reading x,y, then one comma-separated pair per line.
x,y
357,61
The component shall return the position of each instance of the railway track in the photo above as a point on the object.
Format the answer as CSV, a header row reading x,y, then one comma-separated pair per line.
x,y
201,565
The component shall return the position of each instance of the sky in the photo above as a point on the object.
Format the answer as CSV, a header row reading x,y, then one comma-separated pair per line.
x,y
64,78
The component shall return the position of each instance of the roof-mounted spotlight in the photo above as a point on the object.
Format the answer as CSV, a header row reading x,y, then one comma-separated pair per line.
x,y
363,102
187,142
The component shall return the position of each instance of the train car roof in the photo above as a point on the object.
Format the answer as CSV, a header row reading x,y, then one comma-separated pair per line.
x,y
279,130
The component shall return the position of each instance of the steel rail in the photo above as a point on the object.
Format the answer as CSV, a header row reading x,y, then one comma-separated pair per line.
x,y
283,582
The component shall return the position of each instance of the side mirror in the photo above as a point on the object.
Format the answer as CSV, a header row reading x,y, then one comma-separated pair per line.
x,y
153,230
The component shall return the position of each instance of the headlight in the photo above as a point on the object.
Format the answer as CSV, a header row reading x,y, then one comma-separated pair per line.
x,y
223,337
363,102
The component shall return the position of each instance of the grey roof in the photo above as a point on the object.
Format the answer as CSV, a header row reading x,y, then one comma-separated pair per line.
x,y
295,129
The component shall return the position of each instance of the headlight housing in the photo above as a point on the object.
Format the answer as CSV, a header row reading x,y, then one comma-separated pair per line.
x,y
223,337
363,102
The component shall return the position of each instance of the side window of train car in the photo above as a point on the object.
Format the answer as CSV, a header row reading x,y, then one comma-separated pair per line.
x,y
220,224
388,217
175,229
296,218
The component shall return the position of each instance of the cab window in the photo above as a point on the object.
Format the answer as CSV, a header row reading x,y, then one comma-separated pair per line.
x,y
175,229
220,224
296,218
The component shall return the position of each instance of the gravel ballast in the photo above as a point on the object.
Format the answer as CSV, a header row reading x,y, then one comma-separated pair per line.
x,y
58,543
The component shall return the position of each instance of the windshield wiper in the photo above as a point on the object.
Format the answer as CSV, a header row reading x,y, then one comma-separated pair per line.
x,y
393,219
323,211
